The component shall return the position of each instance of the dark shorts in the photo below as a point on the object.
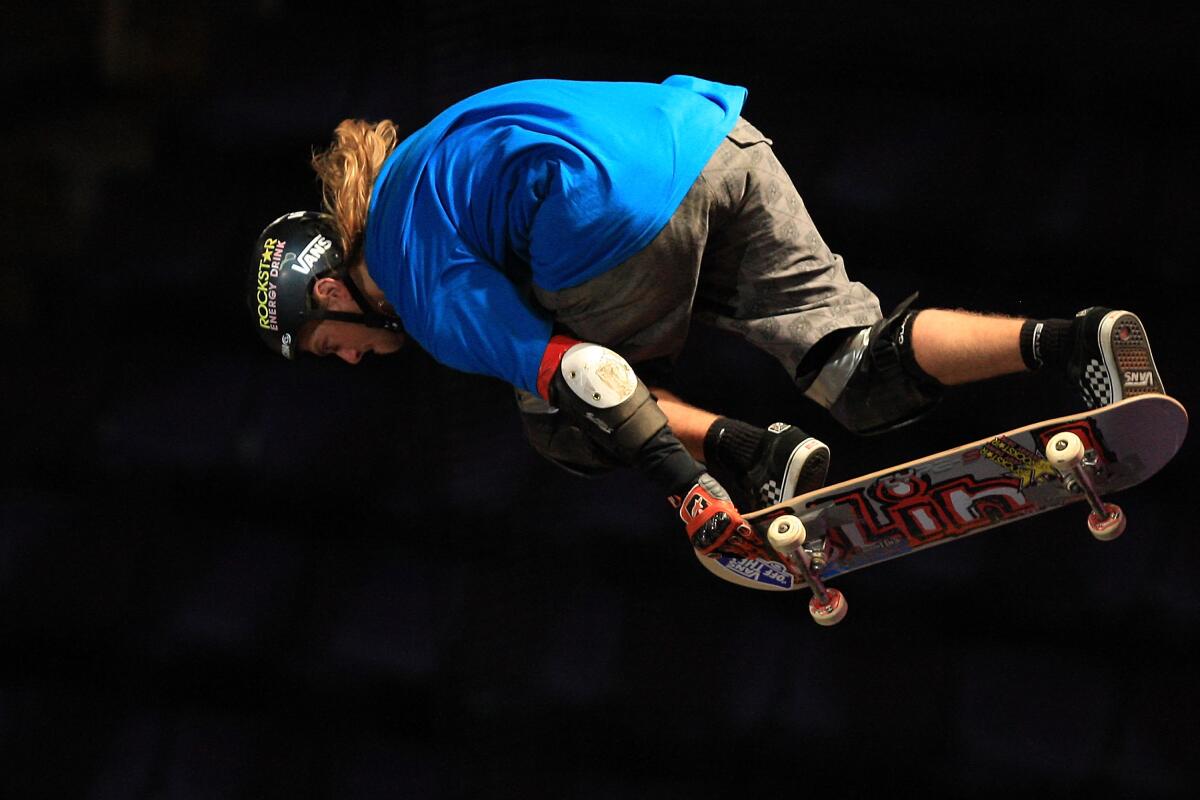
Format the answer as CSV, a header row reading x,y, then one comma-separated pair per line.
x,y
740,253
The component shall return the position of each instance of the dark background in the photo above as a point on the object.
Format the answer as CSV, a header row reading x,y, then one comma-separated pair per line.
x,y
224,576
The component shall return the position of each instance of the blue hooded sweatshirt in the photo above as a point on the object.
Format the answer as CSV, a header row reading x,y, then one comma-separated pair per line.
x,y
562,179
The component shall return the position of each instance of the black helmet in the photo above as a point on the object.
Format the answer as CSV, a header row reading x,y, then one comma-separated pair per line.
x,y
291,253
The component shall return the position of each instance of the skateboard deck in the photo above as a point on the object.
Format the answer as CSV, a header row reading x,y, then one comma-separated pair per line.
x,y
962,491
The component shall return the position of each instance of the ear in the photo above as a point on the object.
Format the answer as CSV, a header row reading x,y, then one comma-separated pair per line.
x,y
329,293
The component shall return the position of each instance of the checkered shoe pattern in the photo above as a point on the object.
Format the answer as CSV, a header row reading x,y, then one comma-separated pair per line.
x,y
769,493
1095,385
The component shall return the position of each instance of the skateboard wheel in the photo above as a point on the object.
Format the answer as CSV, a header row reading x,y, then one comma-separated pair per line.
x,y
786,533
830,614
1064,451
1107,528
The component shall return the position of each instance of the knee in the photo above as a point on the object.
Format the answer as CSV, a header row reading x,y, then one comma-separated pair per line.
x,y
557,439
870,382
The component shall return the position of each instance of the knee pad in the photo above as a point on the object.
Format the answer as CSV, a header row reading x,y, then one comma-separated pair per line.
x,y
872,382
598,390
556,437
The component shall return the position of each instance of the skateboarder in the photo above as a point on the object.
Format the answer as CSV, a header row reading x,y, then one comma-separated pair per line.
x,y
556,233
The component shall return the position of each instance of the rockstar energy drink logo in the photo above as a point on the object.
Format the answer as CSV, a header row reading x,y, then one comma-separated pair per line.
x,y
1025,464
266,291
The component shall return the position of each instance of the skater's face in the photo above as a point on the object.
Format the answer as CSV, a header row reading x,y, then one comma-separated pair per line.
x,y
348,341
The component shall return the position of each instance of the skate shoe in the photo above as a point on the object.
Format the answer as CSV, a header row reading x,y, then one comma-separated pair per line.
x,y
1111,359
789,462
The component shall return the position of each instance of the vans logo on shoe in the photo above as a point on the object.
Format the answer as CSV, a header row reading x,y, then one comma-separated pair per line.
x,y
1139,378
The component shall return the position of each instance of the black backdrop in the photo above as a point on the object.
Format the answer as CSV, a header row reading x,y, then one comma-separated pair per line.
x,y
221,576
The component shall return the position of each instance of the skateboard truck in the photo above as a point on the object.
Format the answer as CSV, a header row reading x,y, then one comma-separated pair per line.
x,y
1066,453
786,534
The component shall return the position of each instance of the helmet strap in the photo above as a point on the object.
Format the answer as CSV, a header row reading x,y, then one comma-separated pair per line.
x,y
370,317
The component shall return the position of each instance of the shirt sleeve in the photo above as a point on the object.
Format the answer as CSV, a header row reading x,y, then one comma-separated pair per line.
x,y
482,324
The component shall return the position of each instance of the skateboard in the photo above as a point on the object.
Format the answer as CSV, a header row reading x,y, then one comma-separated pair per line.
x,y
957,493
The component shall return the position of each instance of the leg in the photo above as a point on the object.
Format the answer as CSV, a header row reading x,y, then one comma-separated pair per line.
x,y
954,347
768,465
894,372
689,423
1104,353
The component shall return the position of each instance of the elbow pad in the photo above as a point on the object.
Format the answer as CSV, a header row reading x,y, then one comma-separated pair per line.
x,y
597,388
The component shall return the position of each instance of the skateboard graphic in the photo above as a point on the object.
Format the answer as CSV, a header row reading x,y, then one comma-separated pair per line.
x,y
960,492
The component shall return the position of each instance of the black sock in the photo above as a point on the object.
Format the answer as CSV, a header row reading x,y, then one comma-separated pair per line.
x,y
732,444
1047,342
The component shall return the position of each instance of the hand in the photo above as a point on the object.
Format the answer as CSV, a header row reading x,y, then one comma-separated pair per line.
x,y
714,525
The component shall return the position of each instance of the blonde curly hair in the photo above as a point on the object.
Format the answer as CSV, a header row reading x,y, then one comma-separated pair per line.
x,y
347,171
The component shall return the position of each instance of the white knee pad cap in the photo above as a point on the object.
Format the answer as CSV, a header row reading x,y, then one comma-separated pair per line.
x,y
598,376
